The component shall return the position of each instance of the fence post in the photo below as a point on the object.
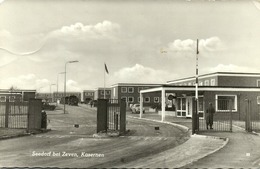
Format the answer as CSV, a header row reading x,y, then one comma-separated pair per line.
x,y
249,116
230,107
7,108
123,116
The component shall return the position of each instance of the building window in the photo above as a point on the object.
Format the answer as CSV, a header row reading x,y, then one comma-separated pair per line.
x,y
108,92
123,98
189,84
258,83
258,99
147,100
130,90
2,98
226,102
212,82
200,83
11,98
206,82
123,90
138,99
130,99
156,99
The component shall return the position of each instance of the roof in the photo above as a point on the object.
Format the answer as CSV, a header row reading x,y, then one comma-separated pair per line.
x,y
135,84
202,88
216,74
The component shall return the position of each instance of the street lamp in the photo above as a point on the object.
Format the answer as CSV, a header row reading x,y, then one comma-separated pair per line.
x,y
58,86
73,61
50,91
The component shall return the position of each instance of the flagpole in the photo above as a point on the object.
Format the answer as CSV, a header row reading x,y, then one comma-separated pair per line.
x,y
195,118
104,81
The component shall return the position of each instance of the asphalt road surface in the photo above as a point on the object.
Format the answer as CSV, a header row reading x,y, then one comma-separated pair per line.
x,y
68,146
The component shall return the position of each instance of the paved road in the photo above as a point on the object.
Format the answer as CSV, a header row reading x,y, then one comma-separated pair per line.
x,y
67,146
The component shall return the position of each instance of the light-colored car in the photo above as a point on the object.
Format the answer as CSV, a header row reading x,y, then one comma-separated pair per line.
x,y
136,108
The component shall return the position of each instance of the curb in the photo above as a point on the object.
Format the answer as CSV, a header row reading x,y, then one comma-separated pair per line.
x,y
186,129
207,154
5,137
226,140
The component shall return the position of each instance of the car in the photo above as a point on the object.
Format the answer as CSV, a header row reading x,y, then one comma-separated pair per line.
x,y
47,106
136,109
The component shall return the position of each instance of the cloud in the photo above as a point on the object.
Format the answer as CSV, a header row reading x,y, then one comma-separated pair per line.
x,y
105,29
188,46
140,74
230,68
20,82
72,85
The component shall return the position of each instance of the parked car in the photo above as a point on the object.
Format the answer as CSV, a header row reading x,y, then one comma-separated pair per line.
x,y
136,109
47,106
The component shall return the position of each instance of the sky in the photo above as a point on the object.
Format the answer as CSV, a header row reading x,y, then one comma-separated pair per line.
x,y
140,41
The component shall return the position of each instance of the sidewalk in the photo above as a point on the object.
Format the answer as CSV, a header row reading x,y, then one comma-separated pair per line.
x,y
206,150
6,133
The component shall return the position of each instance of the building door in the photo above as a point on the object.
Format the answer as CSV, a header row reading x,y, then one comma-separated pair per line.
x,y
181,107
189,106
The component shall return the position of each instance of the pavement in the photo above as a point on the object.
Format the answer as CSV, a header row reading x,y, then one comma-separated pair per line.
x,y
205,150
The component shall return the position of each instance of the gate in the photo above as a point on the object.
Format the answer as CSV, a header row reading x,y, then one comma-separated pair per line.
x,y
13,114
21,114
111,115
222,118
252,119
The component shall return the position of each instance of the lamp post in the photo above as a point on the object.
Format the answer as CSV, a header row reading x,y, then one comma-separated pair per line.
x,y
58,86
73,61
50,92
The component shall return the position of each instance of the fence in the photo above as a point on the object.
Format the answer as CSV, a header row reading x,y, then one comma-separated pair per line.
x,y
111,115
23,115
222,118
252,121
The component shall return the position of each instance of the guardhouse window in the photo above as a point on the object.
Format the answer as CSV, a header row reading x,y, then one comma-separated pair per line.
x,y
226,102
212,82
258,83
206,82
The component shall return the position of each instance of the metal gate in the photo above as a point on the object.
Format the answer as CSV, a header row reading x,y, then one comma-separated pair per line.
x,y
13,114
21,114
252,120
111,115
222,118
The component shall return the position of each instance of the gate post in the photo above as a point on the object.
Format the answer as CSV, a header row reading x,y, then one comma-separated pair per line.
x,y
102,115
248,117
34,114
230,107
7,112
123,116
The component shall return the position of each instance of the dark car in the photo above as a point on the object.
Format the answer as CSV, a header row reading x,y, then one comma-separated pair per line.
x,y
48,106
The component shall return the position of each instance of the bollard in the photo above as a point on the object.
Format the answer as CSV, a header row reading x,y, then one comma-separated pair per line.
x,y
44,120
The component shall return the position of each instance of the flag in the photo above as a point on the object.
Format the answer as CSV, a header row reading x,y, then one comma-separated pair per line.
x,y
106,69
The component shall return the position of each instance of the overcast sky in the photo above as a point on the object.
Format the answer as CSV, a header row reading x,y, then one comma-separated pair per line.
x,y
141,41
